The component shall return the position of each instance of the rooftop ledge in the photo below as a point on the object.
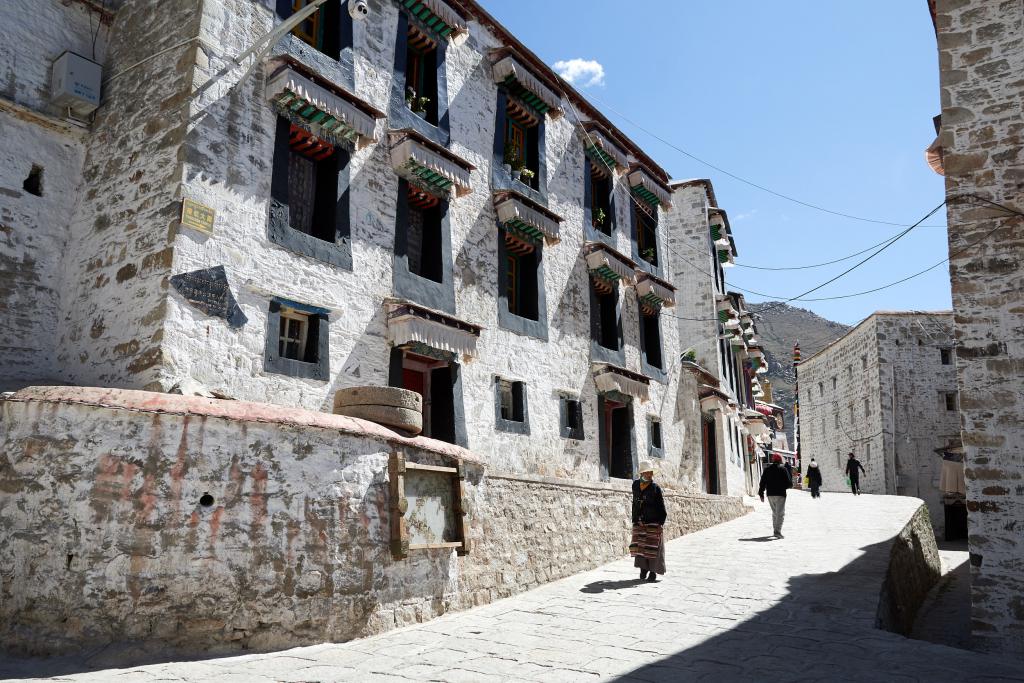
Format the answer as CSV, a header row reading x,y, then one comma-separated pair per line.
x,y
241,411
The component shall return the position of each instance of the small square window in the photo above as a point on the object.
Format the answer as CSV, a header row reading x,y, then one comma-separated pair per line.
x,y
297,340
946,356
572,418
834,383
863,362
950,400
510,398
867,407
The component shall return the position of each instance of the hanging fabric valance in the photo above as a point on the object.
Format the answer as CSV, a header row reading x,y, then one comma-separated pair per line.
x,y
655,291
601,149
437,16
612,378
527,87
408,323
323,113
517,212
648,189
608,263
429,165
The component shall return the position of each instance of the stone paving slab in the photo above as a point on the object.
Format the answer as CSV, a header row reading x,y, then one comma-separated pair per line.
x,y
735,606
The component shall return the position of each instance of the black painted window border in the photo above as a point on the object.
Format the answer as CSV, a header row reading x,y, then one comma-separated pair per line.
x,y
520,404
513,322
655,427
570,409
272,360
438,295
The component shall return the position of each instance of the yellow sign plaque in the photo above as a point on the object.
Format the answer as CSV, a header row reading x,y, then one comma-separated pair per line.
x,y
197,216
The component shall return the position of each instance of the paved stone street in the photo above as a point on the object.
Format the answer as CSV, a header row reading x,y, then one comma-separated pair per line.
x,y
735,605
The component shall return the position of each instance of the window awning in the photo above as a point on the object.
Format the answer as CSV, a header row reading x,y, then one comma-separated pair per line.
x,y
324,113
527,87
655,291
648,189
437,16
612,378
601,149
428,164
518,212
608,263
408,322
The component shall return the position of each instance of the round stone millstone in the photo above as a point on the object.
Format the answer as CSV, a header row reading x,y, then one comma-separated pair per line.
x,y
389,416
378,396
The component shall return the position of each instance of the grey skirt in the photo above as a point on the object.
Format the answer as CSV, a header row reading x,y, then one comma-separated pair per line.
x,y
653,565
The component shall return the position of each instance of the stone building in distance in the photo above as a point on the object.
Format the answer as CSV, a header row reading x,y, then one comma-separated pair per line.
x,y
981,58
389,193
886,391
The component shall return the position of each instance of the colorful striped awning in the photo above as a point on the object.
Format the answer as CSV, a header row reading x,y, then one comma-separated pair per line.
x,y
608,263
648,189
527,87
428,165
602,150
437,16
323,113
655,291
515,212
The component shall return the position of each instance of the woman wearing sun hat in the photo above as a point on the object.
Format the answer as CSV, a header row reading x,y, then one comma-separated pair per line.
x,y
649,514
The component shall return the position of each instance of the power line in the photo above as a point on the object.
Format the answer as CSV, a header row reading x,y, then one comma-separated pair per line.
x,y
816,265
744,180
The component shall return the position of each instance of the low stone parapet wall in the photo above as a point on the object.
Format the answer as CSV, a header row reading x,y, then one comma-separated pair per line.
x,y
197,525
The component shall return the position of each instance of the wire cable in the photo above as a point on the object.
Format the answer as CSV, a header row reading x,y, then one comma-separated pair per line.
x,y
744,180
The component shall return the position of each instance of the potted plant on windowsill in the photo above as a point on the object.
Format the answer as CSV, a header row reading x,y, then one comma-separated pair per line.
x,y
410,98
599,218
648,255
420,107
689,356
511,160
526,175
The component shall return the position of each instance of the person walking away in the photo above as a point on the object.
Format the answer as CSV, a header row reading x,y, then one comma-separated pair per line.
x,y
814,478
775,481
649,515
853,470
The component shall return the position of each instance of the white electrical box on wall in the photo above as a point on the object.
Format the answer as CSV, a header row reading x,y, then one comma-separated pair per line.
x,y
76,84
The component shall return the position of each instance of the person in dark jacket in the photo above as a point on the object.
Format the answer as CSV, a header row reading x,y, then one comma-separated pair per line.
x,y
649,515
814,478
775,481
853,470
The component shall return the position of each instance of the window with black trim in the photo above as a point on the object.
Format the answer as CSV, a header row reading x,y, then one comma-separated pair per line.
x,y
600,193
510,406
297,340
650,337
421,74
646,233
423,234
305,178
654,435
949,399
321,29
572,418
946,356
523,128
521,260
604,314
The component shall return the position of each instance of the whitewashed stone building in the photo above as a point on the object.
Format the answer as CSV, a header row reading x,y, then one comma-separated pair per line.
x,y
401,196
980,59
886,391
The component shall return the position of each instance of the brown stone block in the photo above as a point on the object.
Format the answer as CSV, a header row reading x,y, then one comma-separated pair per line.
x,y
964,163
952,41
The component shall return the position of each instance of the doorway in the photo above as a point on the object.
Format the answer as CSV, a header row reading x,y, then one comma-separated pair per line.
x,y
616,436
434,380
710,452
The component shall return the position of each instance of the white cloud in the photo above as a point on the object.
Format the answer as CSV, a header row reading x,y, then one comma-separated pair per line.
x,y
743,216
581,72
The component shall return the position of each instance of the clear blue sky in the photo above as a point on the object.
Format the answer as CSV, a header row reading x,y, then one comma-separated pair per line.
x,y
829,102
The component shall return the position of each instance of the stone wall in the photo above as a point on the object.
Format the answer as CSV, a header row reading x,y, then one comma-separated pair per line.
x,y
102,523
981,58
832,416
914,567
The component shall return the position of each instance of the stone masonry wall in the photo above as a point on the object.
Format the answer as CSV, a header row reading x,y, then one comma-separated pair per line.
x,y
910,346
34,229
981,58
102,523
833,420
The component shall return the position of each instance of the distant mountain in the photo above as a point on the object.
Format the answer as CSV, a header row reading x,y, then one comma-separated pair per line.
x,y
779,326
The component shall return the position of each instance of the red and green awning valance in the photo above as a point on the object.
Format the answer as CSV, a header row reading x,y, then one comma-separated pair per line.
x,y
608,264
323,113
436,16
429,166
605,153
517,213
649,190
526,87
654,291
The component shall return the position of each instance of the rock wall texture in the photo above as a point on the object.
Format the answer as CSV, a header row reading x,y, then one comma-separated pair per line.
x,y
914,567
105,536
880,392
981,58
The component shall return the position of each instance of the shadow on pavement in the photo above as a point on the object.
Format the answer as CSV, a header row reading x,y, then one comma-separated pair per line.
x,y
830,617
760,539
602,586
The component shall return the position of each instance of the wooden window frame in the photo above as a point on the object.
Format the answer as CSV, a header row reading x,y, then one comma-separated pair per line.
x,y
398,468
288,314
